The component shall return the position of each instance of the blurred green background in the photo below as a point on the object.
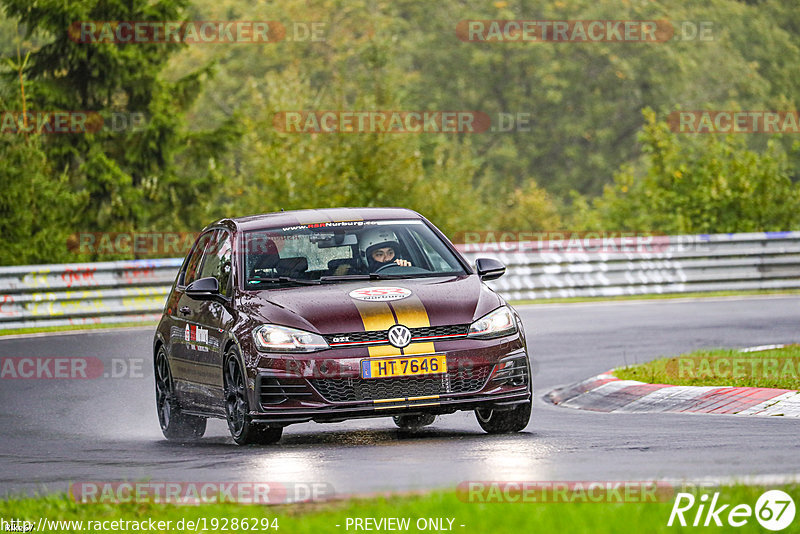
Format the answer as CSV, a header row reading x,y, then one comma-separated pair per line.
x,y
597,154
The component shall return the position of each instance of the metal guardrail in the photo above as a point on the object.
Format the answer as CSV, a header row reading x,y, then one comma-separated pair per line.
x,y
134,291
85,293
640,266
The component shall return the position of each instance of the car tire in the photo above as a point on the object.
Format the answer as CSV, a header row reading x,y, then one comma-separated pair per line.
x,y
413,422
243,431
506,421
175,425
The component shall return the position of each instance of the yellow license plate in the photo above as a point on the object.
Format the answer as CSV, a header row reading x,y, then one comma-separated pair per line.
x,y
404,366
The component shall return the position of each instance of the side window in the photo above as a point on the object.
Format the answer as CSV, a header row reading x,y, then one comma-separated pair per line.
x,y
193,264
217,262
434,258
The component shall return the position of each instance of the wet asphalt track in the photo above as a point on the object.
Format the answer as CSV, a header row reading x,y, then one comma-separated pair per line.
x,y
57,431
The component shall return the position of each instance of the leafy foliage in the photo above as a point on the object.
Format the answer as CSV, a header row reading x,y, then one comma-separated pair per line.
x,y
132,177
700,185
37,205
593,155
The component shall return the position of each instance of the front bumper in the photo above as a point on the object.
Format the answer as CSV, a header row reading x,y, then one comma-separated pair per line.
x,y
329,389
333,414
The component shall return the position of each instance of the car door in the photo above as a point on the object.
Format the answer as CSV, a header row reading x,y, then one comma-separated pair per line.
x,y
211,319
185,374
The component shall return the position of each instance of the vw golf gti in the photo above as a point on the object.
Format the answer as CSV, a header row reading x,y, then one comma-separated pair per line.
x,y
334,314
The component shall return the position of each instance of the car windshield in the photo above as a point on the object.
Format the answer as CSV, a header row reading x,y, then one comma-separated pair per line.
x,y
340,251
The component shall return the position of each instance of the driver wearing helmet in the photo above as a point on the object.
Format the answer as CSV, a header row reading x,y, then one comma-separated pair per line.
x,y
380,247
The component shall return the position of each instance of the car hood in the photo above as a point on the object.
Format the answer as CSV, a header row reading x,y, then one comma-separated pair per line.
x,y
340,307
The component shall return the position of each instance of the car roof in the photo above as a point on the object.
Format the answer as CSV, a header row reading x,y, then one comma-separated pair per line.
x,y
314,216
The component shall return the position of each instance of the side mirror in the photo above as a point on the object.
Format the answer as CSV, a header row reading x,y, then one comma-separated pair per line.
x,y
205,289
489,269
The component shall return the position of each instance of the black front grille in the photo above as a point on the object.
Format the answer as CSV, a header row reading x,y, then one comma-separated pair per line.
x,y
358,337
381,336
359,389
515,374
273,391
446,330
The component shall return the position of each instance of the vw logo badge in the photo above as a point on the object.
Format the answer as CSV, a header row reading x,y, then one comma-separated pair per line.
x,y
399,336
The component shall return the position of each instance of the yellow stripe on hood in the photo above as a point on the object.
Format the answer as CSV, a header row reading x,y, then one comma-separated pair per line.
x,y
377,316
410,312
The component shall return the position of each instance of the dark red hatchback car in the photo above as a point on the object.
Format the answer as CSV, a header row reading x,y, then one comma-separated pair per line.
x,y
328,315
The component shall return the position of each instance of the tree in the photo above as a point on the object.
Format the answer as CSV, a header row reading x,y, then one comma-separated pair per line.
x,y
529,208
704,183
37,205
135,178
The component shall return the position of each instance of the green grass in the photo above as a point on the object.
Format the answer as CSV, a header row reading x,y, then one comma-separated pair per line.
x,y
71,328
777,368
660,296
595,518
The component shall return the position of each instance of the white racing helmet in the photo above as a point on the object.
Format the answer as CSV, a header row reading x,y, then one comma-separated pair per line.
x,y
375,238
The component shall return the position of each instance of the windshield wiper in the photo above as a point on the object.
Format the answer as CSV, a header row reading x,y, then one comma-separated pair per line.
x,y
285,280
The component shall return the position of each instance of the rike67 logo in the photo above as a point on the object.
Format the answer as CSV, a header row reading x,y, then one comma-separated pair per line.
x,y
774,510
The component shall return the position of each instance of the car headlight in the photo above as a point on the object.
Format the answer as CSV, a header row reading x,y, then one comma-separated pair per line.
x,y
276,338
499,322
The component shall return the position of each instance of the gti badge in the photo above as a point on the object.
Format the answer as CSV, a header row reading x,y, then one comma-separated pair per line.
x,y
399,336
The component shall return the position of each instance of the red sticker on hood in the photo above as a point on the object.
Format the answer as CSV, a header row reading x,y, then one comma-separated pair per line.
x,y
380,293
